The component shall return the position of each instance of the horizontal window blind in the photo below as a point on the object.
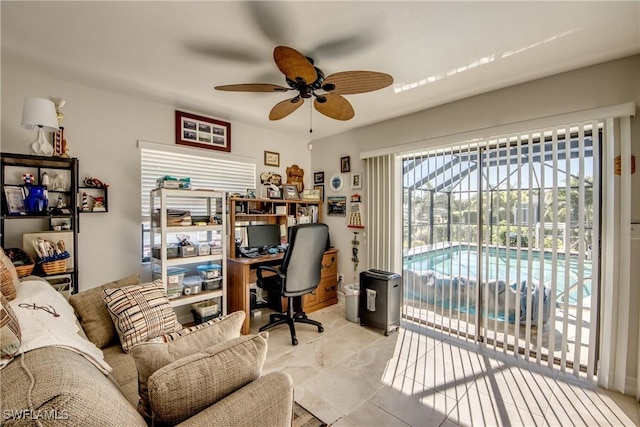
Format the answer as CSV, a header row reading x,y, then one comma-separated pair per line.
x,y
232,175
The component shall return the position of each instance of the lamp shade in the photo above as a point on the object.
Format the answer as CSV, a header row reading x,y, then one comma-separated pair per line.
x,y
39,113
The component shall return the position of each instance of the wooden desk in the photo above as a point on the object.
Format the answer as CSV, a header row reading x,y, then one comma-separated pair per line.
x,y
241,272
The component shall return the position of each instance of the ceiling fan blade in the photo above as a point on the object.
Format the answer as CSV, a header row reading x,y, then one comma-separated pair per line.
x,y
294,65
283,108
336,106
253,87
351,82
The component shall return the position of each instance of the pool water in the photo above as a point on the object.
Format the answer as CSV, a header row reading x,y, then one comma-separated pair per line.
x,y
500,264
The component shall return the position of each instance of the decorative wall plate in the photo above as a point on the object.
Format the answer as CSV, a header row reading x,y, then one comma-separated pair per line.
x,y
336,182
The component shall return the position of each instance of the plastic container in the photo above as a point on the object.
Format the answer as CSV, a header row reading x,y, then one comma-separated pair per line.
x,y
209,271
351,298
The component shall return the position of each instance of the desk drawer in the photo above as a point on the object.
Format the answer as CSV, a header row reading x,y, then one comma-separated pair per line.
x,y
327,289
329,265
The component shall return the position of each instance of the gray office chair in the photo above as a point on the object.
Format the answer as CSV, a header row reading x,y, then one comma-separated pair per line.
x,y
299,274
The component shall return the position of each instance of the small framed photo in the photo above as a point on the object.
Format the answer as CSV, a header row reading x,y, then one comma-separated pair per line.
x,y
271,158
202,132
345,164
14,196
320,189
275,193
318,177
336,182
251,193
356,181
290,192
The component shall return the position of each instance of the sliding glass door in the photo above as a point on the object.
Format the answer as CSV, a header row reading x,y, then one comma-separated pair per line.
x,y
501,240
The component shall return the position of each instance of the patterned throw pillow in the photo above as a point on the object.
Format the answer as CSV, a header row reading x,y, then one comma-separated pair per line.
x,y
140,312
9,280
164,350
9,330
92,312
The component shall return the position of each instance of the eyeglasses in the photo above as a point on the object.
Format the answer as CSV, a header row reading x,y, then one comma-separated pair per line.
x,y
48,308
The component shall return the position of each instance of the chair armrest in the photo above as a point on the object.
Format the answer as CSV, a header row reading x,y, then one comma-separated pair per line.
x,y
267,268
267,401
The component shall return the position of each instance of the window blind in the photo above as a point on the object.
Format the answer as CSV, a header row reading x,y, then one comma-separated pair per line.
x,y
231,174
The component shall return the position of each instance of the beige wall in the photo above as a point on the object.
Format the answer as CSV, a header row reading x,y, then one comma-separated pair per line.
x,y
102,129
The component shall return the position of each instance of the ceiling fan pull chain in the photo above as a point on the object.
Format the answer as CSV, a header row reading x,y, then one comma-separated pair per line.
x,y
310,118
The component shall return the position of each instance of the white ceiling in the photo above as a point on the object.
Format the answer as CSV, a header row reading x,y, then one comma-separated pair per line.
x,y
437,52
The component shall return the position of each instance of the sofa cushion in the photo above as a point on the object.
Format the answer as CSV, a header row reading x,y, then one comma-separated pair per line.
x,y
140,312
153,355
124,371
92,312
9,330
9,280
55,381
191,384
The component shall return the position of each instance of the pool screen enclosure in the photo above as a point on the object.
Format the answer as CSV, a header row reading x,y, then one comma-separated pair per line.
x,y
500,242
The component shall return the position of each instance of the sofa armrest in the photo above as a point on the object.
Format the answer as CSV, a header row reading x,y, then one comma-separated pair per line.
x,y
267,401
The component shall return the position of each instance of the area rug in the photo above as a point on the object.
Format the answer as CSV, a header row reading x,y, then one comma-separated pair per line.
x,y
304,418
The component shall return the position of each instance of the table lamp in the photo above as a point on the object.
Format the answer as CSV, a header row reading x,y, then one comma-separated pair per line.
x,y
40,114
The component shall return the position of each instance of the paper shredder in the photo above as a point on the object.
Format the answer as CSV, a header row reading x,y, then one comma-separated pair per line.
x,y
380,298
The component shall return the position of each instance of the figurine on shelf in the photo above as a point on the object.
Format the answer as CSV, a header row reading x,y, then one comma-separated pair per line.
x,y
98,204
295,175
85,202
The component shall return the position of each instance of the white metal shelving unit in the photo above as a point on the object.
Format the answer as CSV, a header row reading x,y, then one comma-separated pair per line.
x,y
215,202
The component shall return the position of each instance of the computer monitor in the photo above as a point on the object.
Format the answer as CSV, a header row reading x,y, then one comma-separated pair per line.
x,y
260,236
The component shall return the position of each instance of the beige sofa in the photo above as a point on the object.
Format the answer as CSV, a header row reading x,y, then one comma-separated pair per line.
x,y
57,386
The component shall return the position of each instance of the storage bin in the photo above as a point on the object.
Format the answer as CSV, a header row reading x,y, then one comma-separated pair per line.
x,y
187,251
203,249
198,319
172,252
211,284
205,308
209,271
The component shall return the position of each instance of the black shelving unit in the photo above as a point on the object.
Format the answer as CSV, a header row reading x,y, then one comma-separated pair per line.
x,y
12,166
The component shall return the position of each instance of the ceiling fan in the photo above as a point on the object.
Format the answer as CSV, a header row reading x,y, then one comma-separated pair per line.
x,y
309,81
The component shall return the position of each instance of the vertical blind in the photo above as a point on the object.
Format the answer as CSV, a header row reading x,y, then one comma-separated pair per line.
x,y
226,173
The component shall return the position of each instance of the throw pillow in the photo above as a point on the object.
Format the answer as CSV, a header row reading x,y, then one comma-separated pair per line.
x,y
140,312
184,388
9,330
92,312
9,280
155,354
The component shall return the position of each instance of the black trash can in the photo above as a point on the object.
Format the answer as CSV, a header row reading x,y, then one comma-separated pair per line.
x,y
380,298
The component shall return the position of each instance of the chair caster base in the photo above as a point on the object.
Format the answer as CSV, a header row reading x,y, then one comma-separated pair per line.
x,y
294,341
320,329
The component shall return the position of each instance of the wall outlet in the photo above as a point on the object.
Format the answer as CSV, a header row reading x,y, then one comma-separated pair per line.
x,y
340,278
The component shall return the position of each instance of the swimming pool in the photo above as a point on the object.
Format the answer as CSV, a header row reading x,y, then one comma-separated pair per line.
x,y
498,263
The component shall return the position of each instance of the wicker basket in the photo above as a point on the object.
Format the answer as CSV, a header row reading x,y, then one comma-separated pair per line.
x,y
25,269
54,267
22,262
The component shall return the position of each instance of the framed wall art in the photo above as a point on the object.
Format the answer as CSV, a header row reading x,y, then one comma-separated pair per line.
x,y
337,206
336,182
320,189
318,177
202,132
356,181
271,158
345,164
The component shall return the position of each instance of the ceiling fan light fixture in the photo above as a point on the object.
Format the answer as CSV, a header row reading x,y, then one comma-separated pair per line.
x,y
328,87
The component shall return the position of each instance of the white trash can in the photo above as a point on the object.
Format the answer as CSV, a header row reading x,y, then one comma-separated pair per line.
x,y
351,298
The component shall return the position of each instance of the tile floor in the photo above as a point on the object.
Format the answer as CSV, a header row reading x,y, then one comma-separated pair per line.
x,y
355,376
